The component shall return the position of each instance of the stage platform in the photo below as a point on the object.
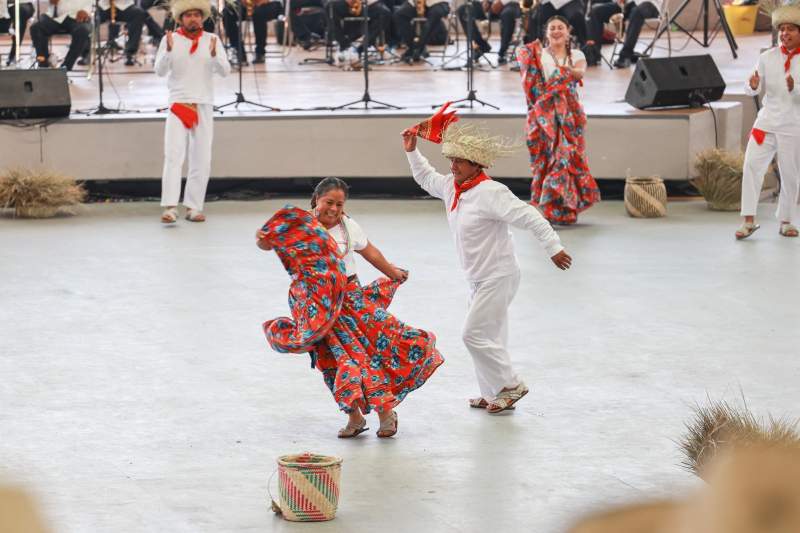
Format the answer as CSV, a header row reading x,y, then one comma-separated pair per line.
x,y
306,139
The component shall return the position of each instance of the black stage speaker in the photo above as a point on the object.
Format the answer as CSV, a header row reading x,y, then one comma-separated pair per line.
x,y
674,81
40,93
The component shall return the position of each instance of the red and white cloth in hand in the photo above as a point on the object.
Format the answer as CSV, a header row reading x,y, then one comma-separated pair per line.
x,y
432,128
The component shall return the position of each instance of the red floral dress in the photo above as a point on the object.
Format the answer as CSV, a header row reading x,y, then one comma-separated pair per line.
x,y
562,185
368,358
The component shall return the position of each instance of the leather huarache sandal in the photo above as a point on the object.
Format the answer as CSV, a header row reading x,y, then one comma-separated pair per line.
x,y
506,399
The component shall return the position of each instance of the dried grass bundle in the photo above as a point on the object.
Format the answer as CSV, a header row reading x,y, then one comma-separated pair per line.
x,y
38,193
719,426
720,178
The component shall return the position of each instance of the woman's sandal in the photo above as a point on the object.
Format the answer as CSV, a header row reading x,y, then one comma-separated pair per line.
x,y
745,230
388,427
169,216
481,403
353,430
788,230
506,399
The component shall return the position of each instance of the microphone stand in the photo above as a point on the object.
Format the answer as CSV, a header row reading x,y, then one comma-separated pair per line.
x,y
471,98
366,99
99,52
240,99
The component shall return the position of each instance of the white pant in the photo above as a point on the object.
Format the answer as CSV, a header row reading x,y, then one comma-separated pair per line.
x,y
757,159
176,138
486,333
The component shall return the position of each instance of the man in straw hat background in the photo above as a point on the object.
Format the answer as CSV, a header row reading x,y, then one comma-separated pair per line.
x,y
189,60
479,212
777,126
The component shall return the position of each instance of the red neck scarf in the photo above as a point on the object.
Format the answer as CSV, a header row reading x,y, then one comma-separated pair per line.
x,y
194,37
467,185
789,55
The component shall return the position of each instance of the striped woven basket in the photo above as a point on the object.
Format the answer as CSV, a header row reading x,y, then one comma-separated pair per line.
x,y
308,485
645,197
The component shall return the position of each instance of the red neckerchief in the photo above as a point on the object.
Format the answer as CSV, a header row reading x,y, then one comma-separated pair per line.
x,y
467,185
194,38
790,55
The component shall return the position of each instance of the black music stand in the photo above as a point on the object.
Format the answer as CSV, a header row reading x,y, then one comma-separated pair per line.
x,y
366,99
471,98
708,36
240,98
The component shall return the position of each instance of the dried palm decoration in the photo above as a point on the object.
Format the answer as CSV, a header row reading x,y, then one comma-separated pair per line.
x,y
38,193
719,426
719,178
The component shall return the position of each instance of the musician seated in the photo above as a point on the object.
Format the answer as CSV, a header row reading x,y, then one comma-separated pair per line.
x,y
132,15
7,15
65,16
506,11
574,11
635,13
344,32
261,11
434,12
156,32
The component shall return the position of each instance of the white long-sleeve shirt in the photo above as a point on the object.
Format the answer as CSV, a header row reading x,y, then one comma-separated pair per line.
x,y
480,223
69,8
190,77
780,112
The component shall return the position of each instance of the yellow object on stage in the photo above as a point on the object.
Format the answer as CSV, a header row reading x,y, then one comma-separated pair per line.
x,y
741,19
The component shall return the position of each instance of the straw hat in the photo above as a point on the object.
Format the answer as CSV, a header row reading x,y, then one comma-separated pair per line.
x,y
474,144
179,7
786,14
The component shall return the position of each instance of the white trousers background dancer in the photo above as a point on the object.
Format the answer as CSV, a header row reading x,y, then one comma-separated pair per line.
x,y
178,140
756,163
485,333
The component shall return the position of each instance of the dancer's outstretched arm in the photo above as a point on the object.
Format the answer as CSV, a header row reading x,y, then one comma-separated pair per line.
x,y
424,174
376,259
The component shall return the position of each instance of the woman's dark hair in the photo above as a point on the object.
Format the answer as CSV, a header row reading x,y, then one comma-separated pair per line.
x,y
327,185
569,29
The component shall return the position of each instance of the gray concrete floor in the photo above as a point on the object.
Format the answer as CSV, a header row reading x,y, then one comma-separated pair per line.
x,y
137,392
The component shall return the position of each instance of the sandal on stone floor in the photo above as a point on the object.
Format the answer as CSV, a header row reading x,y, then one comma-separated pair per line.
x,y
506,399
388,427
788,230
353,430
169,216
745,230
195,216
481,403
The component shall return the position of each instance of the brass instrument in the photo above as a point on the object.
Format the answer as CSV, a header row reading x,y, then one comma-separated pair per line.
x,y
249,6
420,5
113,10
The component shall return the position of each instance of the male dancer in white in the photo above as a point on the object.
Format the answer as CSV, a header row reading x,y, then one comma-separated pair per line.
x,y
479,212
189,60
777,127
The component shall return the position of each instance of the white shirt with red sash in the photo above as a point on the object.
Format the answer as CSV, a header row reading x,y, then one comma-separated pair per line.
x,y
190,76
480,221
780,112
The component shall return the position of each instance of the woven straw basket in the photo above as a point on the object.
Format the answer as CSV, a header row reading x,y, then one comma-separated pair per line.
x,y
308,485
645,197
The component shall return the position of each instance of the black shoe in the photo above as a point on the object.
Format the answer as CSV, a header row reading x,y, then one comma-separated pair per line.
x,y
478,53
501,60
241,59
306,44
622,62
83,61
592,54
43,63
259,59
65,67
408,56
129,61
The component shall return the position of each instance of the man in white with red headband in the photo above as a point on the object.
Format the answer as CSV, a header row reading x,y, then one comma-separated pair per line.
x,y
189,58
777,126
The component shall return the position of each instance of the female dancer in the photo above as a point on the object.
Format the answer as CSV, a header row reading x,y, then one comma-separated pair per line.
x,y
562,186
368,358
